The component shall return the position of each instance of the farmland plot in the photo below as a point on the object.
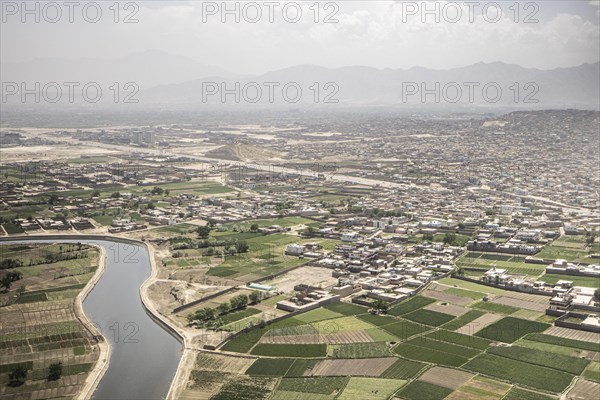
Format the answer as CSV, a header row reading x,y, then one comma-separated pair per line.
x,y
446,377
584,390
353,367
370,388
573,334
520,372
480,388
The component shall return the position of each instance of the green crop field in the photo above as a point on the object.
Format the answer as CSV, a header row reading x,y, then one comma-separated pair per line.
x,y
347,308
509,329
446,347
404,329
428,317
419,390
319,314
270,366
359,350
410,305
403,369
419,353
300,366
248,388
290,350
473,342
560,362
322,385
555,340
495,307
520,372
592,372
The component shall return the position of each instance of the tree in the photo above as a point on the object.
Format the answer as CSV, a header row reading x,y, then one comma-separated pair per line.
x,y
309,232
590,239
223,308
597,294
9,278
380,305
254,297
150,206
428,237
254,227
55,371
17,376
238,302
449,238
95,193
53,199
241,247
203,232
115,195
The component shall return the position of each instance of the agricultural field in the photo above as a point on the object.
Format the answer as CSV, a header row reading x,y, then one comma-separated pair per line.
x,y
570,248
524,373
370,388
39,326
418,390
424,350
510,329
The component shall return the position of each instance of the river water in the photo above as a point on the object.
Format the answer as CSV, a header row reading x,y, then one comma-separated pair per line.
x,y
144,356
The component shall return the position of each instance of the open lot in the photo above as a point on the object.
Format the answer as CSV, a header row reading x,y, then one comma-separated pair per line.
x,y
446,377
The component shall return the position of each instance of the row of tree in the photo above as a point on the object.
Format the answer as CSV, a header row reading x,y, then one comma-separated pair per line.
x,y
238,302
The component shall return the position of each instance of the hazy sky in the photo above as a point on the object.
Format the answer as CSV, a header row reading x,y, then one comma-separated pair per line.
x,y
383,34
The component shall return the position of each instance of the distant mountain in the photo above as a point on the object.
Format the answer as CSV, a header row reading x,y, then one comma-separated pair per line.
x,y
149,68
170,82
481,85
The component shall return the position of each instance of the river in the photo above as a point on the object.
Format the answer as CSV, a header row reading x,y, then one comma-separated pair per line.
x,y
144,356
